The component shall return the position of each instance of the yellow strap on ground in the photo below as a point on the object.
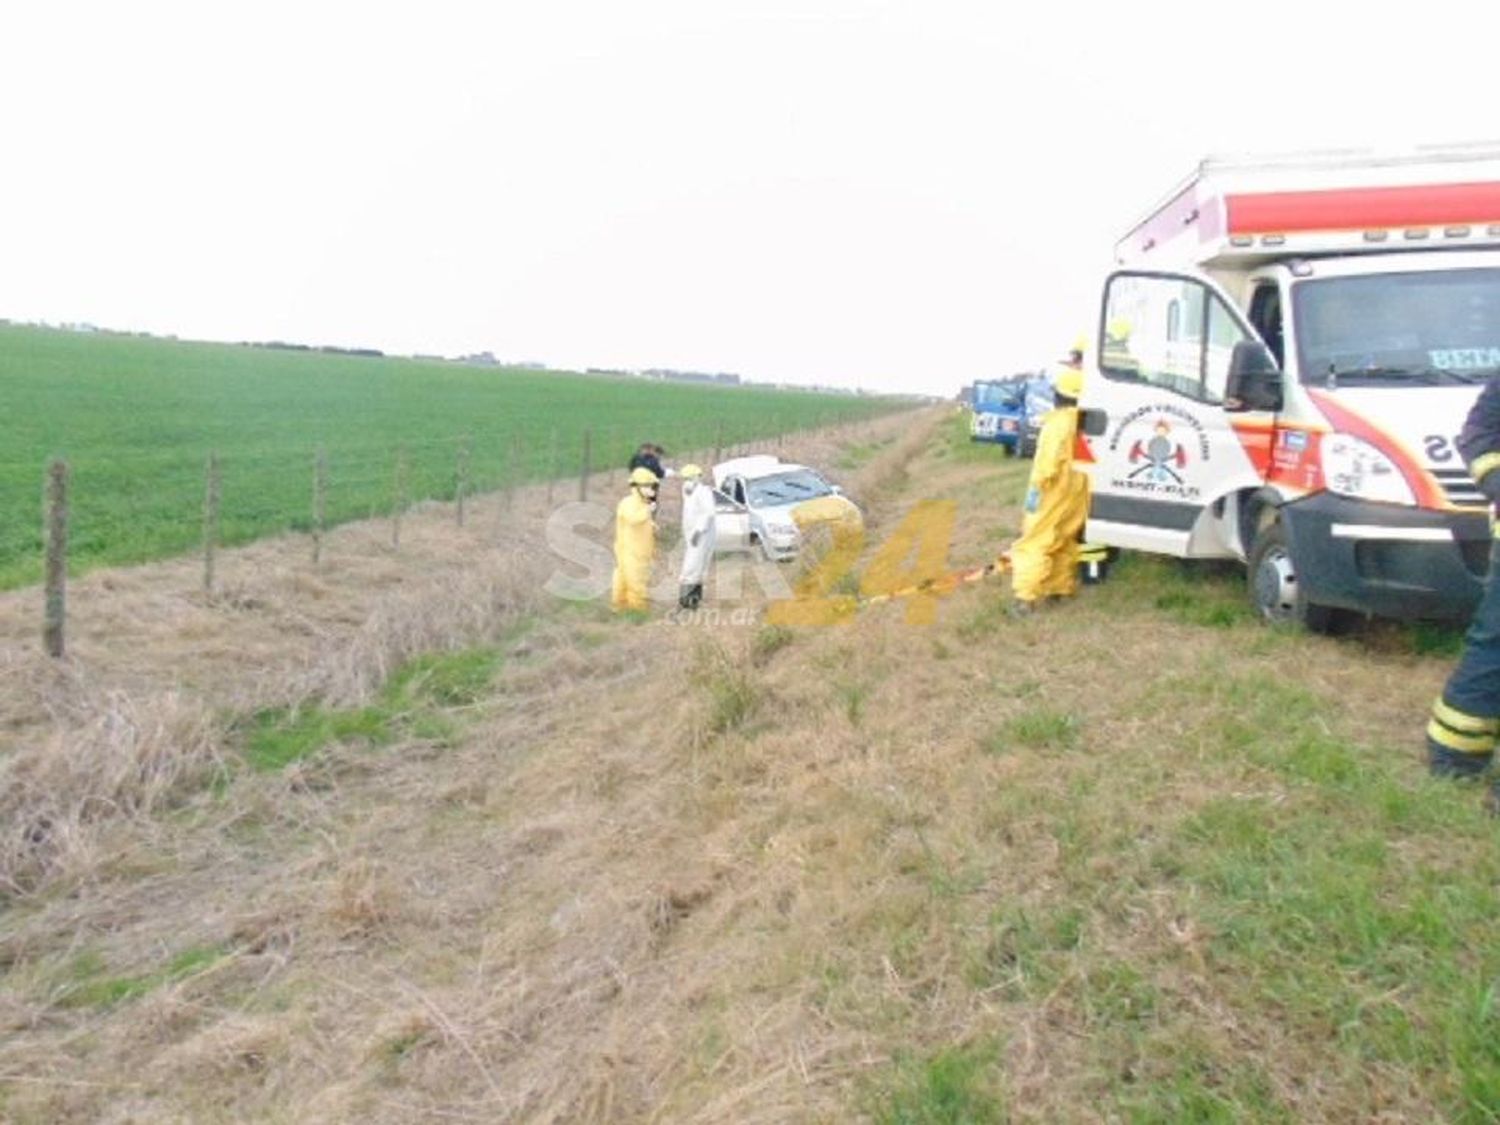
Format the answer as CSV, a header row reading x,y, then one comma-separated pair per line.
x,y
946,584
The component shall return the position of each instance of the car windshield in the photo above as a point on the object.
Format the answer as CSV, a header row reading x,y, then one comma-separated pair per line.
x,y
1427,328
787,488
995,396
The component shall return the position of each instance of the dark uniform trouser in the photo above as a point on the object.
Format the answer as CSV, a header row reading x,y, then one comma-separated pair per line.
x,y
1465,723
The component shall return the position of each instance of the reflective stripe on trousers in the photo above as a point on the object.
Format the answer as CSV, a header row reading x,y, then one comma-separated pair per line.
x,y
1465,723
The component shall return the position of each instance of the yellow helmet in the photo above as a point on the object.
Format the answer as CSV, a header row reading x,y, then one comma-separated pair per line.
x,y
643,475
1118,329
1080,343
1069,382
690,472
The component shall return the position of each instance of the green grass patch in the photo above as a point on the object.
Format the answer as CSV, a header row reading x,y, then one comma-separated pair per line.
x,y
412,704
1181,1079
137,488
1024,949
954,443
1355,899
956,1086
733,692
852,693
768,641
88,983
854,456
444,679
277,737
1037,729
1433,638
1211,594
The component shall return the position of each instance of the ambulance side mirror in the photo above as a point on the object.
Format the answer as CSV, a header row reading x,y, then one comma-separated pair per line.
x,y
1254,381
1093,421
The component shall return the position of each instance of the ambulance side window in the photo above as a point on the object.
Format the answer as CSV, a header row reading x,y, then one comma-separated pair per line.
x,y
1223,333
1171,332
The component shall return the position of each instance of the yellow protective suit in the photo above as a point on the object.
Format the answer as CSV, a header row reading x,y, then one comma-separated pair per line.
x,y
635,543
1044,561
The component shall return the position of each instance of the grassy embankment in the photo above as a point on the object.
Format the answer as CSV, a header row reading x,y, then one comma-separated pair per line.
x,y
1137,858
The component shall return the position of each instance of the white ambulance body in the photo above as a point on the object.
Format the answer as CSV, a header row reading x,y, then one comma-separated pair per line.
x,y
1284,358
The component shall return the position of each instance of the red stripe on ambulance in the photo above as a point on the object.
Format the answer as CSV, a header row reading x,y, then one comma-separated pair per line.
x,y
1282,212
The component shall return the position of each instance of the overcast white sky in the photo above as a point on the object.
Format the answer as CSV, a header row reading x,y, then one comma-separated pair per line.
x,y
896,195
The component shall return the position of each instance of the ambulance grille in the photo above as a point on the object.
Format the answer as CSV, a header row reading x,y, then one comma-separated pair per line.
x,y
1460,488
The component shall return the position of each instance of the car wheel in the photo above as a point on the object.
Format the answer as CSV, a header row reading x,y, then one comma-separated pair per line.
x,y
1274,589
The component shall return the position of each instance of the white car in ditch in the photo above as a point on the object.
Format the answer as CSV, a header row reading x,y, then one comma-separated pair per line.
x,y
765,504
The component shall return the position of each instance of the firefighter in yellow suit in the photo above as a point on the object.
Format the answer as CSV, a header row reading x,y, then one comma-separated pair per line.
x,y
635,542
1044,561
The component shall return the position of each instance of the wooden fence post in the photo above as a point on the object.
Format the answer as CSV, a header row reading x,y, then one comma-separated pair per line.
x,y
512,470
398,504
319,493
461,479
552,467
55,617
211,484
583,472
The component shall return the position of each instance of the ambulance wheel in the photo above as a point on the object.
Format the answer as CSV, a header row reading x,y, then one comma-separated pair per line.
x,y
1274,588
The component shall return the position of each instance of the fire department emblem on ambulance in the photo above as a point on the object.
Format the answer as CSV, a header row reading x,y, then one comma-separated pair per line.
x,y
1160,457
1157,450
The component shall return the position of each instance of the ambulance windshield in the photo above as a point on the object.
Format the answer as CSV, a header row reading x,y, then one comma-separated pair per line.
x,y
1427,328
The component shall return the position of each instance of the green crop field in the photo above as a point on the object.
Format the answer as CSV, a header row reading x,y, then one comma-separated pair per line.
x,y
136,419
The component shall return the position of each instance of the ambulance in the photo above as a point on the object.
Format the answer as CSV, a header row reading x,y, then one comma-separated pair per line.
x,y
1287,349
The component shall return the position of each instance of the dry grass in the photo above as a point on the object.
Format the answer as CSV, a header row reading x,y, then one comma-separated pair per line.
x,y
712,873
134,720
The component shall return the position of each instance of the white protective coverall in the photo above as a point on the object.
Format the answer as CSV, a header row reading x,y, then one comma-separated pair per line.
x,y
697,539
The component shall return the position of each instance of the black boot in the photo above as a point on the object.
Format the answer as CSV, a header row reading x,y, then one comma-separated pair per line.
x,y
1443,762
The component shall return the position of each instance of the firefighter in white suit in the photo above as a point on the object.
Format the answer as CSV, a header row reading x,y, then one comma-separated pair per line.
x,y
697,535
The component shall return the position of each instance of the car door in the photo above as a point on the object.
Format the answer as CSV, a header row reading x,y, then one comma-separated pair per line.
x,y
1163,450
731,522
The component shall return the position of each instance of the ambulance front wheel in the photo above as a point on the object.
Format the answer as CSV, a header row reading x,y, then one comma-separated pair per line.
x,y
1274,587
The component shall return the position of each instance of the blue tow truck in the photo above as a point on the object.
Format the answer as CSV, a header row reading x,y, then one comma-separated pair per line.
x,y
999,407
1009,411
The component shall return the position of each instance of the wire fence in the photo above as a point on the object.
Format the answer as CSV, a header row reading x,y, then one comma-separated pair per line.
x,y
161,503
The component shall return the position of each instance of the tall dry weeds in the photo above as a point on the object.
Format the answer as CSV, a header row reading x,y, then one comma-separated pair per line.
x,y
130,759
137,718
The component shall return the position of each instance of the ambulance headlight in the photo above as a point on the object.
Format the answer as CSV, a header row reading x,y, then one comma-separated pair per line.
x,y
1354,467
